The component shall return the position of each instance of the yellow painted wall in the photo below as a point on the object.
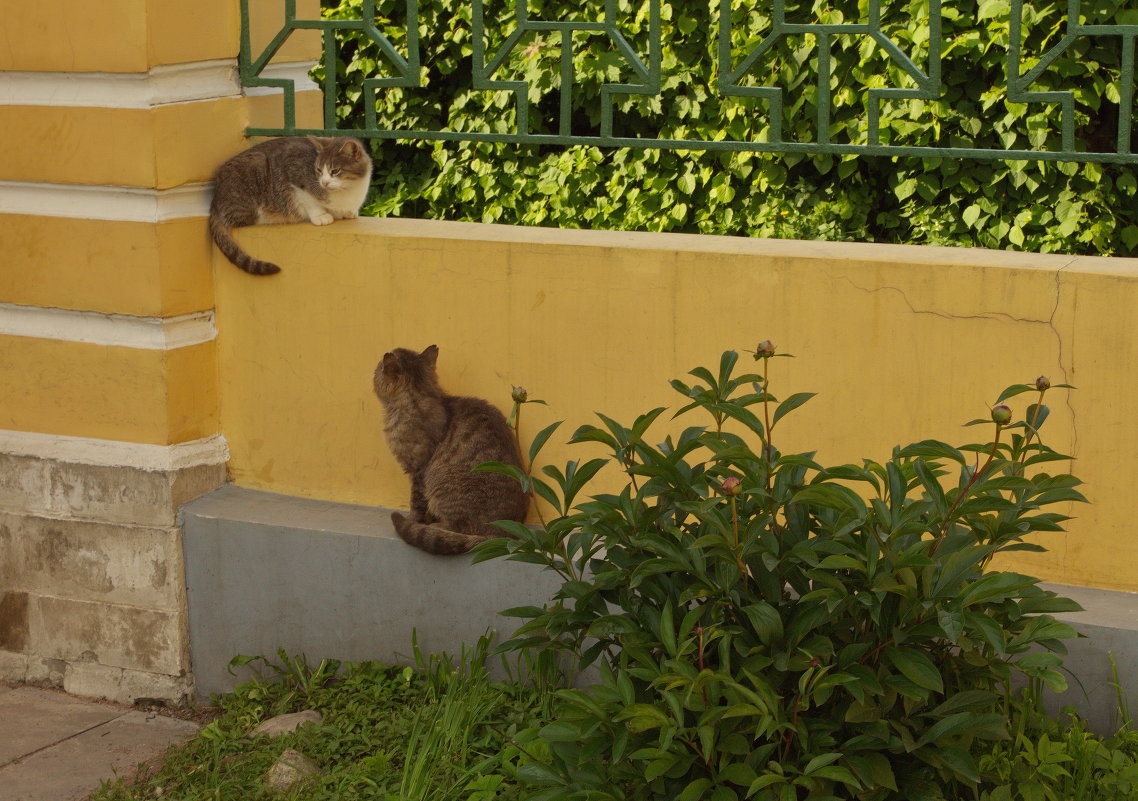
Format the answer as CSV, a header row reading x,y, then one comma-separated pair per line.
x,y
266,18
114,35
160,147
104,392
138,268
901,343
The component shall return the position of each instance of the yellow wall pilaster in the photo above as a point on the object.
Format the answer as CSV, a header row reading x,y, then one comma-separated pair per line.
x,y
114,116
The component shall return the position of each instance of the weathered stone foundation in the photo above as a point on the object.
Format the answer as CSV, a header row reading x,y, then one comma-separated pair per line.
x,y
92,598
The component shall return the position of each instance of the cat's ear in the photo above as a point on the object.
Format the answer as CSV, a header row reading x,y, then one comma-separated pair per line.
x,y
388,363
431,354
319,141
352,149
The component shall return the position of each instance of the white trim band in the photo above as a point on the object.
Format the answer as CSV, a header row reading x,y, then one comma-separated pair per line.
x,y
297,72
176,83
119,203
112,453
145,333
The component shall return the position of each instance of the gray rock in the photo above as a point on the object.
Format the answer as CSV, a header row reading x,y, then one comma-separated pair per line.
x,y
287,724
291,768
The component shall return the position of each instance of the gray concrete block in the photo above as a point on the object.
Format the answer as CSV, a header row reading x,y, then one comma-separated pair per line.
x,y
1109,624
37,486
330,580
108,634
93,680
112,563
23,483
91,575
127,494
14,621
267,571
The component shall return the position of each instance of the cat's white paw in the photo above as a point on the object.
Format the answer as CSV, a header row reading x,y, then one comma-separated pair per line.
x,y
347,214
323,218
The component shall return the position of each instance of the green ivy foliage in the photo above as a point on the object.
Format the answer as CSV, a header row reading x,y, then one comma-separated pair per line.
x,y
1035,206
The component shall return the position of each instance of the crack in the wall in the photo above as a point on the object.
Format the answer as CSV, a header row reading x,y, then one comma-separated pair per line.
x,y
1062,368
1049,322
947,315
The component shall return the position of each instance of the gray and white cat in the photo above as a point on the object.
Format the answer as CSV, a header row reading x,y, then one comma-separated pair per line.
x,y
287,180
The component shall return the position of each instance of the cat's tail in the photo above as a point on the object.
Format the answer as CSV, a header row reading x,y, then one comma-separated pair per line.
x,y
438,540
228,245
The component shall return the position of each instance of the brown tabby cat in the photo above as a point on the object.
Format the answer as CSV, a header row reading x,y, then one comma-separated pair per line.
x,y
287,180
438,440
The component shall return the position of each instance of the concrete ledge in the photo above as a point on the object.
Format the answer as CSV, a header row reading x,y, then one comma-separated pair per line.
x,y
55,488
327,579
333,580
1110,624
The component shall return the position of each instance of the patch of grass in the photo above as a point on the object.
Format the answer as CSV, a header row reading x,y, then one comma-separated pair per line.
x,y
441,731
1060,760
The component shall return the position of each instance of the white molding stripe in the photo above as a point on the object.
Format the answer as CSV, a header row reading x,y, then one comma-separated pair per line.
x,y
112,453
296,71
119,203
177,83
144,333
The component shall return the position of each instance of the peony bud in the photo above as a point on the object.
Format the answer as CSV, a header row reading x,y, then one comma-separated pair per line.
x,y
764,350
1001,415
1042,383
732,486
519,395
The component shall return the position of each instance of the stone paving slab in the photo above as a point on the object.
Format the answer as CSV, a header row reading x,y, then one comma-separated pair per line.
x,y
92,743
32,719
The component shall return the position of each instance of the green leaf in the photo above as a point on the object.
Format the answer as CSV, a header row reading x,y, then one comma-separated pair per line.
x,y
790,404
738,773
641,717
932,485
659,766
841,561
540,439
559,732
668,630
523,611
820,761
609,625
1013,390
959,723
1036,415
694,791
536,773
966,700
833,496
916,667
959,762
951,623
905,188
933,449
510,470
765,620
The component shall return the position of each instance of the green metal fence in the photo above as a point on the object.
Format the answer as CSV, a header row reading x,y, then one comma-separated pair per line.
x,y
734,70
